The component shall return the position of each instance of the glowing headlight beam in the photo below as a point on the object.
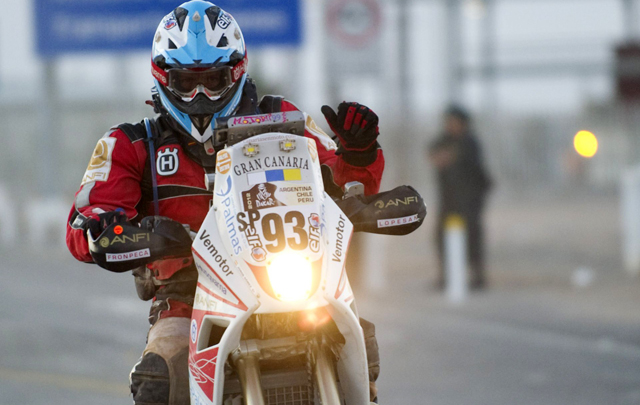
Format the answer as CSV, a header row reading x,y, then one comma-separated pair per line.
x,y
291,277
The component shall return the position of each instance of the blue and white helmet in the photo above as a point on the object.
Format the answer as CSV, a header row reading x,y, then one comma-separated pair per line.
x,y
199,66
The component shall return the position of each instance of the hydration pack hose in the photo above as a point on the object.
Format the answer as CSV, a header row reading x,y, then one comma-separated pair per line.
x,y
152,157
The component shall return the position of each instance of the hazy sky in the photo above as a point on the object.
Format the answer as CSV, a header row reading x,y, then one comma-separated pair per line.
x,y
527,31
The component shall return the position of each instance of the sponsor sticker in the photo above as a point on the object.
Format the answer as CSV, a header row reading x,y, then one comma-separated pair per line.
x,y
388,223
194,330
167,162
229,213
123,257
314,220
261,196
214,280
296,195
258,254
100,164
223,162
340,240
170,23
159,74
224,20
270,163
205,301
239,69
274,118
216,254
223,193
396,202
246,221
123,238
104,242
314,233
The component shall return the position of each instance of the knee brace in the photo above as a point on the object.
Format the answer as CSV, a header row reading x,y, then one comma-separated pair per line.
x,y
161,377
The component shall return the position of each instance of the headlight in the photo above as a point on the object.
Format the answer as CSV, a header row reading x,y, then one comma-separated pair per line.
x,y
291,277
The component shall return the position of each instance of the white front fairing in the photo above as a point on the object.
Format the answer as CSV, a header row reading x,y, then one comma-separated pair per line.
x,y
267,205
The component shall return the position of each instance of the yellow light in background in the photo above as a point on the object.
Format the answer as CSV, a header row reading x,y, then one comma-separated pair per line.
x,y
586,144
291,277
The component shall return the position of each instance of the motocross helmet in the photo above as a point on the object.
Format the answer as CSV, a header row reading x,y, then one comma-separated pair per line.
x,y
199,67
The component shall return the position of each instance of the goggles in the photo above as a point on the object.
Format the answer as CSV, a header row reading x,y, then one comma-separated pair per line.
x,y
187,83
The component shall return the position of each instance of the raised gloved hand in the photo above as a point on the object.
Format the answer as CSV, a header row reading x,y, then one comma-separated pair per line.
x,y
355,125
97,225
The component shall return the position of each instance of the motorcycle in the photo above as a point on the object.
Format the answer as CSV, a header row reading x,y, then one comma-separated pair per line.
x,y
274,318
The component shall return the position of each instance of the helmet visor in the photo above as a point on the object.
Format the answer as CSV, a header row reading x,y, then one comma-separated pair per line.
x,y
187,82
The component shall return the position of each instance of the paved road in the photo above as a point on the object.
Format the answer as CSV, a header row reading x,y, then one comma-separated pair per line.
x,y
69,333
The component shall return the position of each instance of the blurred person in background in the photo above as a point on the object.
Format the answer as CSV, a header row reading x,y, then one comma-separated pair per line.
x,y
463,183
137,173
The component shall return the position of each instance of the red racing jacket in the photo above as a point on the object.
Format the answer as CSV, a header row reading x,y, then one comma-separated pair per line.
x,y
119,169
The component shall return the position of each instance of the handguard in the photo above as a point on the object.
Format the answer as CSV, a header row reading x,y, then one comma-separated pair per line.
x,y
396,212
123,247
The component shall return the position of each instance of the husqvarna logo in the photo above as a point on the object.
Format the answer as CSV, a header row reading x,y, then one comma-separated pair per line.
x,y
168,162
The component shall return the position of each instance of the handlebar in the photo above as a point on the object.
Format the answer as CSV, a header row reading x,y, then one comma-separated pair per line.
x,y
123,247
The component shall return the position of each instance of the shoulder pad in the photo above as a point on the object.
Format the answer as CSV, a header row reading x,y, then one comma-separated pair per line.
x,y
270,104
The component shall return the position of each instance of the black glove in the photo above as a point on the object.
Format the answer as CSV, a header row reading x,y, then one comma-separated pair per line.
x,y
97,226
357,128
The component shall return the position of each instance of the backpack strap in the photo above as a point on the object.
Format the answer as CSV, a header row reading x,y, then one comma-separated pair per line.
x,y
152,160
135,132
270,104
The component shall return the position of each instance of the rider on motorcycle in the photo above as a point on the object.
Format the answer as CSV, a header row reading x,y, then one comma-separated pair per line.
x,y
199,65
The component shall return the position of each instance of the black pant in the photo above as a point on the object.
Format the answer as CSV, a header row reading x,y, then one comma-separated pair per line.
x,y
475,244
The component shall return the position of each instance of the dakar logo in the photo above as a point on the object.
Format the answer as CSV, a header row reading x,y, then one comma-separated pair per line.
x,y
224,162
261,196
168,162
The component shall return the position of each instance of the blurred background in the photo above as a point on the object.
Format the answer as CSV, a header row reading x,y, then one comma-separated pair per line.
x,y
559,321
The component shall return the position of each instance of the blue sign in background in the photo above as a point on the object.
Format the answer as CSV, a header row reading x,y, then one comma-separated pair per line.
x,y
76,26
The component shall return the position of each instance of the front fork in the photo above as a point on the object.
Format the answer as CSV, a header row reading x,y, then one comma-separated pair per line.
x,y
248,367
325,377
247,364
